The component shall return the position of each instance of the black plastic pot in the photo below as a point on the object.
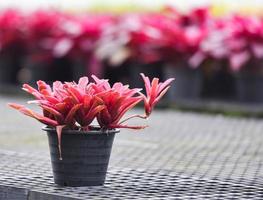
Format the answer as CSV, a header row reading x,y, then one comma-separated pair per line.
x,y
151,70
219,81
117,73
79,69
188,84
249,86
48,70
85,156
9,67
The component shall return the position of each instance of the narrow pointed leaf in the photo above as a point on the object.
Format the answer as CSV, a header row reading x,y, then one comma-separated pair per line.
x,y
129,127
71,113
57,115
32,114
59,133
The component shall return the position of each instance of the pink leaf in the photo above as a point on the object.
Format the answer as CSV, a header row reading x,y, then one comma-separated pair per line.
x,y
237,60
59,133
32,114
129,127
70,115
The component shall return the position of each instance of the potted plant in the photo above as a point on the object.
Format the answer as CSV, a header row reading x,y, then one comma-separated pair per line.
x,y
246,60
11,45
189,84
183,37
234,46
48,45
80,150
243,47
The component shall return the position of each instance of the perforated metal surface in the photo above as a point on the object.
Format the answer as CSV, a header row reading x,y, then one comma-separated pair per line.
x,y
180,156
29,177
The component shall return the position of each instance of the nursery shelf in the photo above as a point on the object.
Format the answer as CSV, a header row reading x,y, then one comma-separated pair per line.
x,y
26,177
182,155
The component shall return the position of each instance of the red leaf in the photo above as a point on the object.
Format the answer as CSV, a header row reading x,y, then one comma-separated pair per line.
x,y
92,114
59,132
71,114
128,105
32,114
57,115
126,126
75,94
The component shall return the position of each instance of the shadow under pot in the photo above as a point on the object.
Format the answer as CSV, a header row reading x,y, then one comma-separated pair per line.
x,y
188,83
248,86
84,156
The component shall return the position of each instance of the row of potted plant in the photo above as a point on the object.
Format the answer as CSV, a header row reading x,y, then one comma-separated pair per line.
x,y
65,46
236,44
148,37
90,40
49,37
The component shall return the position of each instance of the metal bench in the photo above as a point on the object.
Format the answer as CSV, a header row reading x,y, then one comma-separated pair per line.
x,y
181,156
29,177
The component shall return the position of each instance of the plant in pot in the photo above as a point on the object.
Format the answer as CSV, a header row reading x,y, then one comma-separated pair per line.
x,y
212,58
234,44
183,37
246,45
11,45
132,46
50,38
85,42
79,150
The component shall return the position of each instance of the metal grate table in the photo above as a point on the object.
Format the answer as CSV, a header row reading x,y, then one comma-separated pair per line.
x,y
29,177
181,156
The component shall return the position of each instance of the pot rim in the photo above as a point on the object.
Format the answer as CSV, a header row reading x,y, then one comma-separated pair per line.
x,y
97,131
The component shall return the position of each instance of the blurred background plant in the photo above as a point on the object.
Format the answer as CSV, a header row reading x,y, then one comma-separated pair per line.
x,y
214,49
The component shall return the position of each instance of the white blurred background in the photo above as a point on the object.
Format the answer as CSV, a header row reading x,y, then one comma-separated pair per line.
x,y
112,4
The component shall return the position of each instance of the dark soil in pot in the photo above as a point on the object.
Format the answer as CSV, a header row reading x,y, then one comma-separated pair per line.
x,y
85,156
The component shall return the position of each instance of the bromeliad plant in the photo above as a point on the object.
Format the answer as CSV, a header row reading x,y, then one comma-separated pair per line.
x,y
74,106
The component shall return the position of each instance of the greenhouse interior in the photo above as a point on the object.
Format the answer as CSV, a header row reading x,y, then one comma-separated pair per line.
x,y
193,67
214,50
